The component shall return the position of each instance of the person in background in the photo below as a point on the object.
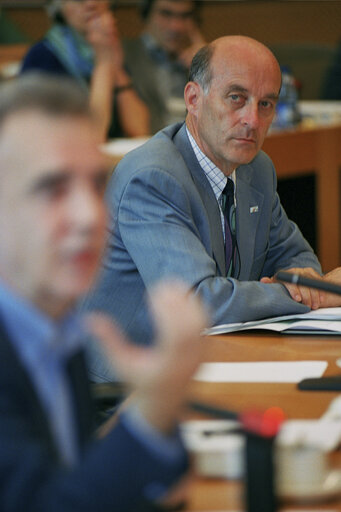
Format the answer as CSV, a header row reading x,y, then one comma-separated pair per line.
x,y
158,61
84,43
52,224
198,202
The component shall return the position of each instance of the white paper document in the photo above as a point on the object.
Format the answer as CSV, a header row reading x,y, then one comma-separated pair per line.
x,y
268,371
321,321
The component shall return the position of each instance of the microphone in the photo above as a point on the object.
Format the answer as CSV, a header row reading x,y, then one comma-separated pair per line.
x,y
260,430
332,383
289,277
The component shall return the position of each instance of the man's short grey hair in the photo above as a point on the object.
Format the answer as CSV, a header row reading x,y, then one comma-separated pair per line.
x,y
48,94
200,70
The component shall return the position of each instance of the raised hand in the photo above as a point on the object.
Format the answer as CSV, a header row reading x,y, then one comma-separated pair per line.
x,y
159,374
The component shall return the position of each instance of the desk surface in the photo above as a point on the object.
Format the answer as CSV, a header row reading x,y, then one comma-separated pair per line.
x,y
223,495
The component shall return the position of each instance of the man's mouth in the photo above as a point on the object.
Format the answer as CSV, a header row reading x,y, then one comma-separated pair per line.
x,y
84,257
246,140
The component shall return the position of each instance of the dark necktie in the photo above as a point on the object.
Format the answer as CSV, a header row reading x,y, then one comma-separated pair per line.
x,y
229,222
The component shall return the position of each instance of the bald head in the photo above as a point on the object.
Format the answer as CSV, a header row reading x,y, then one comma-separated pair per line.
x,y
225,50
231,97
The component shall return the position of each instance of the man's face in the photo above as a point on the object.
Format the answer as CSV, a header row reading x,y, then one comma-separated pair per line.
x,y
52,218
170,22
232,119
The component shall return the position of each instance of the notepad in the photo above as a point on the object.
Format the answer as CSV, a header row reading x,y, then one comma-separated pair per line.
x,y
326,321
268,371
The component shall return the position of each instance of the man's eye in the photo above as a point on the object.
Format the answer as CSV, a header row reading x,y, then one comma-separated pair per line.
x,y
237,99
55,191
266,104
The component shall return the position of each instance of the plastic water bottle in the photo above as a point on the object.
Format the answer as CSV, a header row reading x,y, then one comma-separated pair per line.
x,y
287,113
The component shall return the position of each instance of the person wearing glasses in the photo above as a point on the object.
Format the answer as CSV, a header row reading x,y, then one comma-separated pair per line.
x,y
158,61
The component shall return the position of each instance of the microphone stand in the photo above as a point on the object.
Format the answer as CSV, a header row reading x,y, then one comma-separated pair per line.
x,y
260,430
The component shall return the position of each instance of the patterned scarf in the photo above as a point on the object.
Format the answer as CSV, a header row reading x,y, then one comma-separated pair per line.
x,y
72,50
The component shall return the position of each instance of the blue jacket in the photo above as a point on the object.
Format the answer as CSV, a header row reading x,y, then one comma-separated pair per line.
x,y
113,474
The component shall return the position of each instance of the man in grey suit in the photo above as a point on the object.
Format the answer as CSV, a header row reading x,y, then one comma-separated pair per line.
x,y
165,201
52,227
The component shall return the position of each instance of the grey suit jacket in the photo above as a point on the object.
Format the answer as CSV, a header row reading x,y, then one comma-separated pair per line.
x,y
165,224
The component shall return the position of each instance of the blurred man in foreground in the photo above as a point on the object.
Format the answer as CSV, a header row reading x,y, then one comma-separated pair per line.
x,y
52,222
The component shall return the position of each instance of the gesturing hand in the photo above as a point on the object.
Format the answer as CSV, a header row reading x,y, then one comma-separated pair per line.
x,y
159,373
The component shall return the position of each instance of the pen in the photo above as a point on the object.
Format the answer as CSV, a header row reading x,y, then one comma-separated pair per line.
x,y
319,284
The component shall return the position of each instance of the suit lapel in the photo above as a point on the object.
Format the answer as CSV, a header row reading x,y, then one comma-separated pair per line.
x,y
15,377
249,207
208,198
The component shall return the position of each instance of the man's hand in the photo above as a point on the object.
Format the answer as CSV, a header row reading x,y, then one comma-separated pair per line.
x,y
102,34
307,296
330,300
160,373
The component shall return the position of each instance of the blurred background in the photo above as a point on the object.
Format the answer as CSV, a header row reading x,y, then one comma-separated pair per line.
x,y
304,35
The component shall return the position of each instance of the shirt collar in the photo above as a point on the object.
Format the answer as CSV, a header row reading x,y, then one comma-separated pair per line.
x,y
214,175
33,333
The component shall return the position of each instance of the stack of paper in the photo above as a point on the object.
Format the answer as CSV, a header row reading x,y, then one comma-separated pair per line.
x,y
320,321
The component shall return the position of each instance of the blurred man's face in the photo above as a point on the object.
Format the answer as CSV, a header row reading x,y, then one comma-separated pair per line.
x,y
52,218
170,22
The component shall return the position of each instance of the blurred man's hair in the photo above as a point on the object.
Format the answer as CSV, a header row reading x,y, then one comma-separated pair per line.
x,y
49,94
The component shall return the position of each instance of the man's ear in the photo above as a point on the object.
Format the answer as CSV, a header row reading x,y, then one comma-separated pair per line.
x,y
192,95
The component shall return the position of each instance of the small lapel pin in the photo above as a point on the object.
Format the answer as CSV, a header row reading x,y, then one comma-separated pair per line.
x,y
253,209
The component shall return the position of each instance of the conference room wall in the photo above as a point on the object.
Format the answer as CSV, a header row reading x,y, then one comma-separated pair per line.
x,y
269,21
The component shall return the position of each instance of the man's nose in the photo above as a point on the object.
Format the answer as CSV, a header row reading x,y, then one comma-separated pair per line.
x,y
177,23
250,116
86,209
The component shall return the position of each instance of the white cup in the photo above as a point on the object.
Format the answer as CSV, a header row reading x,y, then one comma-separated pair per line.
x,y
300,469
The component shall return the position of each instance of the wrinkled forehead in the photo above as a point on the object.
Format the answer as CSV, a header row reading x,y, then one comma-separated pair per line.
x,y
245,62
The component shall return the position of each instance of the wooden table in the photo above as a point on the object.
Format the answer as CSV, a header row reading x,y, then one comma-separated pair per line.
x,y
315,150
223,495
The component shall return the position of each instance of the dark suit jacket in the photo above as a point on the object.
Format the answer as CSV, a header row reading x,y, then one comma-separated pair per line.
x,y
113,473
